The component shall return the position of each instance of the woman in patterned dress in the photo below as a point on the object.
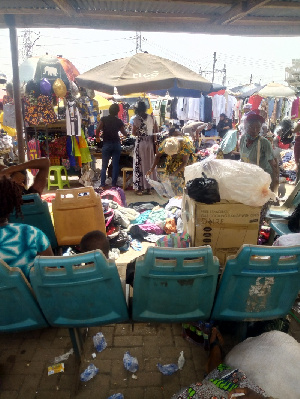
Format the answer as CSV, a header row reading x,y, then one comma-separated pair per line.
x,y
180,153
145,129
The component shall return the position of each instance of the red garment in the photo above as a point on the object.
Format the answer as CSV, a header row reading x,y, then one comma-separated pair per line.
x,y
220,93
255,100
120,114
281,145
295,109
33,152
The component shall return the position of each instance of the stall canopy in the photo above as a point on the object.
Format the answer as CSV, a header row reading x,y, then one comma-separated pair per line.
x,y
276,90
143,72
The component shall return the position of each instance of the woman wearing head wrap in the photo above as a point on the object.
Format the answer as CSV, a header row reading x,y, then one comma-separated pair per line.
x,y
258,150
145,128
180,153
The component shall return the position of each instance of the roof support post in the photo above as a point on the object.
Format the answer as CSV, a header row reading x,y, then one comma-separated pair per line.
x,y
10,22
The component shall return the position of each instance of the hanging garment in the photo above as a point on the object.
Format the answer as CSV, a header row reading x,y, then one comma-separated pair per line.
x,y
9,116
84,149
173,114
84,110
31,111
271,103
255,100
33,152
295,109
70,151
230,106
201,108
46,112
207,109
120,110
73,119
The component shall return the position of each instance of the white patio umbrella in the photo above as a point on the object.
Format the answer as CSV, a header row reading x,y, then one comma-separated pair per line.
x,y
276,90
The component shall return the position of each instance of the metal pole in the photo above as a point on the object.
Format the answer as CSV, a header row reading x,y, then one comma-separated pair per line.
x,y
224,76
10,22
214,64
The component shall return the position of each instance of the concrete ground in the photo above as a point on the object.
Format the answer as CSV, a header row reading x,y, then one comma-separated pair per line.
x,y
25,357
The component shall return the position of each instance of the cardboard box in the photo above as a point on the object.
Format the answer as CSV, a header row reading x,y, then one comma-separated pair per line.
x,y
225,225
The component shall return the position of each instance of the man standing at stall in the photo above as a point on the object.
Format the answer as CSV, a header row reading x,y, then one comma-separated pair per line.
x,y
110,126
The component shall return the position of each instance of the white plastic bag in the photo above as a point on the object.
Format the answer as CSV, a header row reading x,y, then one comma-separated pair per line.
x,y
164,188
238,181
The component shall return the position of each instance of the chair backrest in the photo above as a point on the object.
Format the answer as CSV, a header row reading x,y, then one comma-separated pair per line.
x,y
174,285
77,212
36,213
259,283
19,308
80,290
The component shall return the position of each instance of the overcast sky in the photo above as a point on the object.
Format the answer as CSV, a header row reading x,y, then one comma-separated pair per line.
x,y
263,58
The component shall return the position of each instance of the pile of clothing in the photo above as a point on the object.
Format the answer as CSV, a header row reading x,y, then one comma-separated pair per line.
x,y
129,226
288,167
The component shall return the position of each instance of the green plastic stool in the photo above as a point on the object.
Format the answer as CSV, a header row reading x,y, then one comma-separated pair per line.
x,y
56,171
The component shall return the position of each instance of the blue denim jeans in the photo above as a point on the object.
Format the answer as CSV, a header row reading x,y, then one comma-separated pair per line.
x,y
110,150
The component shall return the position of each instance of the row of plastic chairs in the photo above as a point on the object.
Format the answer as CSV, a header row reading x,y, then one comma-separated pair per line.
x,y
170,285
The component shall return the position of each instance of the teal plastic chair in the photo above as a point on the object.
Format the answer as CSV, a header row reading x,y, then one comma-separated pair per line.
x,y
174,285
259,283
79,291
36,213
280,227
288,206
19,308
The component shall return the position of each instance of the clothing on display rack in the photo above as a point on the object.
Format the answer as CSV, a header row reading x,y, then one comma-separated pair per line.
x,y
73,119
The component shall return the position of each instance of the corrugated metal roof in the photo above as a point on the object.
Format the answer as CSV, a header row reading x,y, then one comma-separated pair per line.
x,y
216,17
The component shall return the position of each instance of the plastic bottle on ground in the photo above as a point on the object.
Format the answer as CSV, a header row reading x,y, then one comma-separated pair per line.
x,y
130,363
167,369
89,373
181,360
99,342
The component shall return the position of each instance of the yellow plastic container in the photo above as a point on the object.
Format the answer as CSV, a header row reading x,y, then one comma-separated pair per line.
x,y
76,212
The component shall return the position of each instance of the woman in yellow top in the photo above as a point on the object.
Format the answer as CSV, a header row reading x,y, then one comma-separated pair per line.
x,y
180,153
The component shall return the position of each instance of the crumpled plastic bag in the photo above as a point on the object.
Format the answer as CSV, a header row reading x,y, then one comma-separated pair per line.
x,y
163,189
238,181
203,189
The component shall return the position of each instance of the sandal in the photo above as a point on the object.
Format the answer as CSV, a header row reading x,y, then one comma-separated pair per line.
x,y
147,192
139,192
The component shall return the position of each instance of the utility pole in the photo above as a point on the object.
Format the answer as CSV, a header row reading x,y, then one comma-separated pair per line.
x,y
138,42
214,65
28,43
224,76
251,78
